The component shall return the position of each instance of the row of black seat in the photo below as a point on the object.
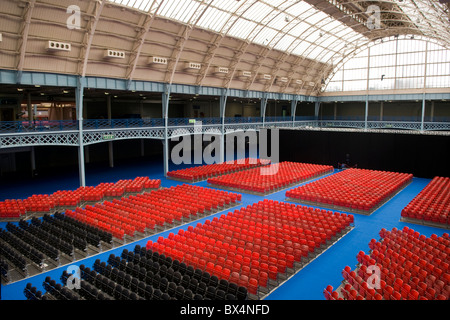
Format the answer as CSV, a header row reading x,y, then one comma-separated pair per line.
x,y
150,276
158,266
47,243
13,257
46,248
52,228
22,247
90,233
31,293
4,267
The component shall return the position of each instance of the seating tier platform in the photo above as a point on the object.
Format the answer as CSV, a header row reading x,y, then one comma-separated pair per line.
x,y
431,206
355,190
402,265
200,173
269,179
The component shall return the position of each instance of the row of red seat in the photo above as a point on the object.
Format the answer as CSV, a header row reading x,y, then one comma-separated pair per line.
x,y
411,267
432,204
270,178
216,169
358,189
17,208
145,211
254,245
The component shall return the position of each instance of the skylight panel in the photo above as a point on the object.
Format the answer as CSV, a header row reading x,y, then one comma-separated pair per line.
x,y
258,12
285,43
265,36
227,5
214,19
287,25
242,28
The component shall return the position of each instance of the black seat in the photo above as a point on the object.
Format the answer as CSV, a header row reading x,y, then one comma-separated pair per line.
x,y
118,292
193,285
107,271
165,296
190,271
242,293
114,274
134,284
177,277
214,281
125,294
201,289
182,268
206,277
149,277
169,274
127,281
111,287
155,267
210,292
171,288
163,271
176,265
223,285
197,297
188,295
133,296
198,274
148,292
232,288
156,294
163,284
156,280
179,293
220,295
124,254
141,289
230,296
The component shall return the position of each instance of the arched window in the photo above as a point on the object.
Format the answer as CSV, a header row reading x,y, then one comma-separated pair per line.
x,y
402,62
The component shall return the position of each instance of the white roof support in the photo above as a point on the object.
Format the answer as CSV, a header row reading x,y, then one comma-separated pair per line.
x,y
89,36
23,37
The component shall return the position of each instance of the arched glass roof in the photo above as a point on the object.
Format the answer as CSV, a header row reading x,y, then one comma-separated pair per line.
x,y
318,30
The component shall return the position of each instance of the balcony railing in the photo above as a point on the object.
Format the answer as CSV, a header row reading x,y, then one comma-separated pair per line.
x,y
42,126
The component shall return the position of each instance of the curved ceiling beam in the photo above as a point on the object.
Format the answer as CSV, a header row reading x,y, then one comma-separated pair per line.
x,y
23,37
140,39
182,39
241,9
97,9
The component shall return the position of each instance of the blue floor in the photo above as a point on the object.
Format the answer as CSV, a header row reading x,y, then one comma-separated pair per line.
x,y
308,284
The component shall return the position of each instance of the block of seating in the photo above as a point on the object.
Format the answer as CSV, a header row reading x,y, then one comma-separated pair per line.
x,y
39,203
14,245
431,205
90,234
199,173
257,246
140,275
129,186
410,266
358,190
158,208
67,198
274,177
31,293
12,208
